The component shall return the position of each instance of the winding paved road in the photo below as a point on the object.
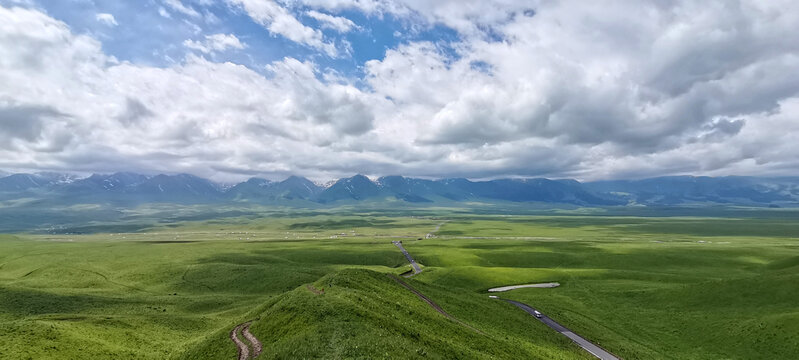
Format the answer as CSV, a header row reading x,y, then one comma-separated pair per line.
x,y
585,344
416,268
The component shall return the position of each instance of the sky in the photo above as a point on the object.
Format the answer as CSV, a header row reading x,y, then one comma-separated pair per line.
x,y
232,89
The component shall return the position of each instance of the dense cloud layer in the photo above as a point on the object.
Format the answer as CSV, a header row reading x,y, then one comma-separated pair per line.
x,y
559,89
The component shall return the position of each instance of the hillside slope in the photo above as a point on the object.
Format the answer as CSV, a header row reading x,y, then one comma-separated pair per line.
x,y
364,314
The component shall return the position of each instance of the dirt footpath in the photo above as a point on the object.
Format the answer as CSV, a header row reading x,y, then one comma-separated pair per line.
x,y
244,349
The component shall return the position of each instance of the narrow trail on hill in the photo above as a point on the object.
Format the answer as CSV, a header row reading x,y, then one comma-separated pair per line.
x,y
257,347
244,349
432,304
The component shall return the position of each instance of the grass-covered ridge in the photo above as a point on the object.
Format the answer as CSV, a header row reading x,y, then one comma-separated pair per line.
x,y
365,314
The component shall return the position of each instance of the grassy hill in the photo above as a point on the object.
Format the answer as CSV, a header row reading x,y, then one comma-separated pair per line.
x,y
678,287
365,314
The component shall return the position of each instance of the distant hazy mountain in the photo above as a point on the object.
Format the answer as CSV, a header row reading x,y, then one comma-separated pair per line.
x,y
541,190
20,182
358,187
516,190
122,188
119,183
416,190
252,189
692,189
262,190
176,188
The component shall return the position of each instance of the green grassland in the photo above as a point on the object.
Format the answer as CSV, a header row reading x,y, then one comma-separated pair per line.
x,y
641,287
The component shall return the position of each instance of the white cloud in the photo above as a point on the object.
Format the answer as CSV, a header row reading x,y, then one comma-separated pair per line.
x,y
178,6
279,20
467,16
337,23
96,114
573,76
369,7
215,43
164,13
106,19
587,90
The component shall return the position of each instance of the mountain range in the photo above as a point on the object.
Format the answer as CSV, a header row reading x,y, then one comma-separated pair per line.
x,y
128,188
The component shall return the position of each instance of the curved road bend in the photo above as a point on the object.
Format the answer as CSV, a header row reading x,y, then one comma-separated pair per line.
x,y
416,268
585,344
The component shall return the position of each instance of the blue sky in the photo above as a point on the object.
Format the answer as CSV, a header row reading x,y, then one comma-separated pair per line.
x,y
152,32
229,89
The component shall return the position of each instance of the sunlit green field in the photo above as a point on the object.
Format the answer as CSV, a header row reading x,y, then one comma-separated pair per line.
x,y
649,288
